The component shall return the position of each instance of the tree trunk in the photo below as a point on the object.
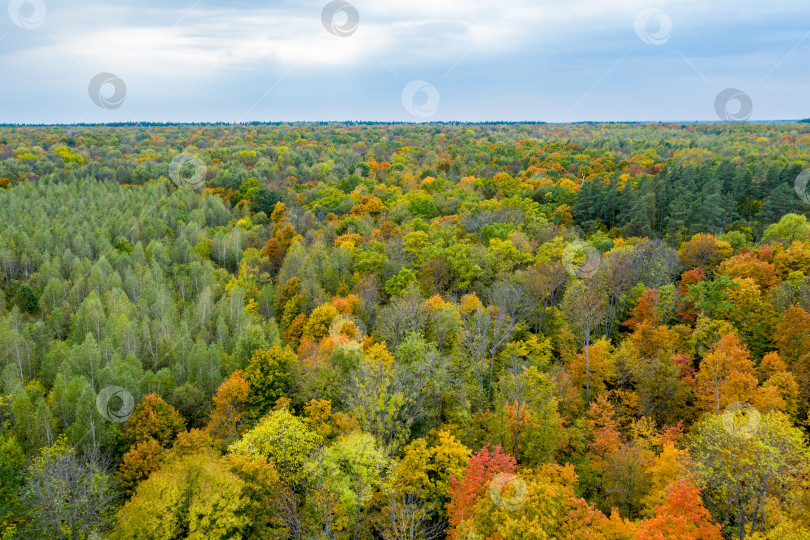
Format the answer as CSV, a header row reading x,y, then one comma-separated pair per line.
x,y
587,371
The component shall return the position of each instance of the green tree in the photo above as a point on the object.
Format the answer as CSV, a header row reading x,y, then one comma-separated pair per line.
x,y
712,297
790,228
400,281
192,403
27,299
748,478
12,466
269,375
354,467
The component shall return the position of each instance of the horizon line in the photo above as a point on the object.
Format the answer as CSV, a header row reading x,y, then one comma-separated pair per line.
x,y
399,122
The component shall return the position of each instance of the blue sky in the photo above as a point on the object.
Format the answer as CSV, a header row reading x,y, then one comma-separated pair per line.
x,y
535,60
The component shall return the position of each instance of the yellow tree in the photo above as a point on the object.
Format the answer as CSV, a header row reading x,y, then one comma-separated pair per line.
x,y
318,323
584,309
533,428
192,497
704,251
753,316
385,398
596,370
426,468
667,467
283,439
352,469
725,373
650,357
748,479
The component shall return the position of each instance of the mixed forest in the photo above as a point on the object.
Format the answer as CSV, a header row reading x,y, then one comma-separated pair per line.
x,y
397,331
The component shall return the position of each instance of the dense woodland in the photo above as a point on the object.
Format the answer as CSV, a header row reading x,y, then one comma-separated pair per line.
x,y
462,331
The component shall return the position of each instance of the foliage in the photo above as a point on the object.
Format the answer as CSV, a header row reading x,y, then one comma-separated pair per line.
x,y
682,517
153,418
269,377
193,497
227,417
69,494
747,478
448,246
283,439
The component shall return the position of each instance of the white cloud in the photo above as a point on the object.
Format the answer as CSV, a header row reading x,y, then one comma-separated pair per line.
x,y
561,46
417,31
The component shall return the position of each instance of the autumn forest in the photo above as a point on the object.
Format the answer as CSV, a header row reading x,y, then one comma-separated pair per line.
x,y
405,331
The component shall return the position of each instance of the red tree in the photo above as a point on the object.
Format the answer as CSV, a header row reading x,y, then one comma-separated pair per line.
x,y
681,517
483,466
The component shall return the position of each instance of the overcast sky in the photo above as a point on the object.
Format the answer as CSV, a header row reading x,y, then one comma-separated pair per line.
x,y
403,60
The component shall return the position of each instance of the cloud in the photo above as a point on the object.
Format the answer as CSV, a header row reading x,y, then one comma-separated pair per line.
x,y
214,60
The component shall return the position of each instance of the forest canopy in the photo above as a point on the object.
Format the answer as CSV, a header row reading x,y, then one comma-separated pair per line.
x,y
360,330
